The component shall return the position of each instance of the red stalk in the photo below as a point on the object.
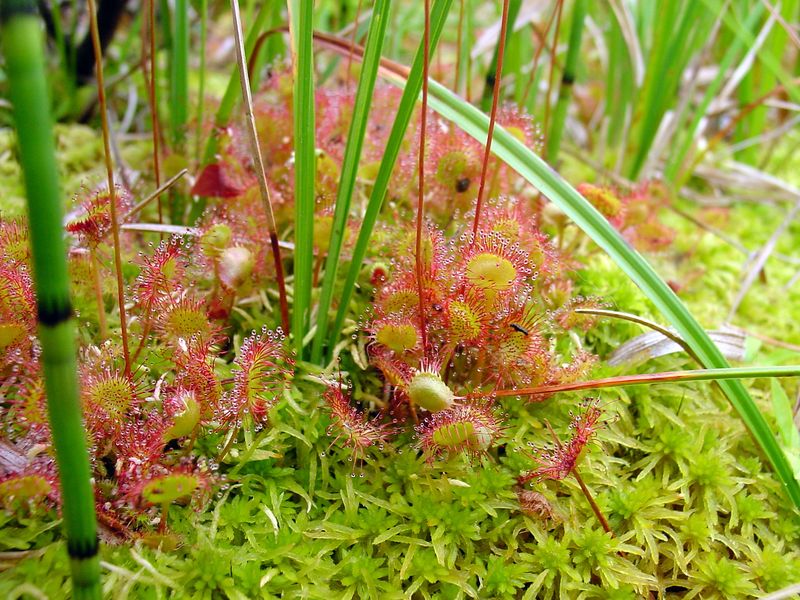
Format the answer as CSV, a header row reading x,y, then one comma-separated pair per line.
x,y
552,70
421,196
594,384
258,159
493,117
101,96
151,100
537,55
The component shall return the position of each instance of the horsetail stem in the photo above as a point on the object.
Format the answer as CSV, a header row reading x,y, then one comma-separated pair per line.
x,y
22,46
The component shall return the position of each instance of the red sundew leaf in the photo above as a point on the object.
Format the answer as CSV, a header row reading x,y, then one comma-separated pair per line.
x,y
215,182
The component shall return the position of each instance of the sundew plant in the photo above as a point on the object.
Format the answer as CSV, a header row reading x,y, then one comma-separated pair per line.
x,y
399,299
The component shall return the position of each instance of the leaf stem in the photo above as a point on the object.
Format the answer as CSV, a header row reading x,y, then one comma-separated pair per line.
x,y
112,191
664,377
421,196
501,47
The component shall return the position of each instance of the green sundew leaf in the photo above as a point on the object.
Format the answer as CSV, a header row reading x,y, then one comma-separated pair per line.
x,y
789,435
301,28
352,154
413,85
523,160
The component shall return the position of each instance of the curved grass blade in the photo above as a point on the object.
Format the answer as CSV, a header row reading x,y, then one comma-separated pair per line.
x,y
352,153
301,29
23,49
510,150
258,160
413,85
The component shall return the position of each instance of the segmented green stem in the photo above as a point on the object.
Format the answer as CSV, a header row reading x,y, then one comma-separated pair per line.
x,y
179,77
567,79
23,49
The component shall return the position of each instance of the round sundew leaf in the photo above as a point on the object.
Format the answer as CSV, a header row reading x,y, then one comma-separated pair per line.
x,y
454,435
451,166
430,392
169,488
398,337
235,267
216,239
489,271
184,321
464,324
400,301
9,334
113,394
186,420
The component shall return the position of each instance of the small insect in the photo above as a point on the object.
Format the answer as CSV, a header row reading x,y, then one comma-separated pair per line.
x,y
519,328
462,185
438,307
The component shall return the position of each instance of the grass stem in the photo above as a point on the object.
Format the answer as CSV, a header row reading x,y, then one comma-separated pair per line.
x,y
258,159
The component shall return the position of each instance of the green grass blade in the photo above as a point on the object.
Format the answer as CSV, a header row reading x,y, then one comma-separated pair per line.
x,y
771,62
301,28
510,150
413,85
688,376
671,53
352,154
23,49
678,155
